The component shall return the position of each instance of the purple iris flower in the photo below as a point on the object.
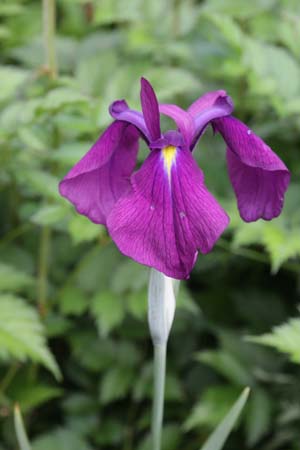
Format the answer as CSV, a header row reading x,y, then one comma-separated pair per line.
x,y
162,214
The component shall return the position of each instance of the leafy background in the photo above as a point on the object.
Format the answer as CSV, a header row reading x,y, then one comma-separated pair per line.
x,y
74,346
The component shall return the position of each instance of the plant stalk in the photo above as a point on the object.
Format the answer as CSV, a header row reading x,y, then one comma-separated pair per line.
x,y
160,352
43,261
49,28
49,25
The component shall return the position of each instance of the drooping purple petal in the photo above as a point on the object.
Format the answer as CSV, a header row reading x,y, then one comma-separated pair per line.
x,y
259,177
211,105
183,120
150,109
119,110
97,181
168,214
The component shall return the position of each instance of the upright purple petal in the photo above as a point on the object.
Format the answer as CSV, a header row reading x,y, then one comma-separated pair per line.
x,y
168,214
183,120
259,177
211,105
97,181
119,110
150,109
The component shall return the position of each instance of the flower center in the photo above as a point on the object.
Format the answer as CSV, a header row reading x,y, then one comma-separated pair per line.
x,y
169,153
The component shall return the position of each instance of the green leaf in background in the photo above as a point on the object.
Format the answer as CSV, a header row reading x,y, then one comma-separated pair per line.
x,y
219,436
211,407
108,311
116,384
172,81
143,387
247,235
282,243
72,301
60,98
136,304
22,334
11,78
266,61
50,214
111,432
227,364
62,439
113,11
185,301
129,277
30,395
259,415
69,153
89,73
229,28
10,9
17,113
31,54
234,7
41,183
20,430
285,338
280,237
81,229
12,279
170,439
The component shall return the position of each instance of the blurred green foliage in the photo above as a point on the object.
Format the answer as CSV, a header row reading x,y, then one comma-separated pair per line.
x,y
70,304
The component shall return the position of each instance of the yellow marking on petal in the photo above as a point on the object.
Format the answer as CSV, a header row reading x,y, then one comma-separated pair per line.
x,y
169,153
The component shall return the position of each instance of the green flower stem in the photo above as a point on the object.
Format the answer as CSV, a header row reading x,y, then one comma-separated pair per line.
x,y
49,27
160,352
49,21
43,269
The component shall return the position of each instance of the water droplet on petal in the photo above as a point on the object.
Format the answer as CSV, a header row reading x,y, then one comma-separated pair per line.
x,y
152,207
249,132
182,214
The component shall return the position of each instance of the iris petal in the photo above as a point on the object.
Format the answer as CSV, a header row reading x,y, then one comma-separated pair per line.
x,y
168,214
259,177
206,101
183,120
211,105
97,181
150,109
119,110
